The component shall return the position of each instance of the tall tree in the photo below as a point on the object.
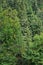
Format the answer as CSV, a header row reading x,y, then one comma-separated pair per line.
x,y
10,36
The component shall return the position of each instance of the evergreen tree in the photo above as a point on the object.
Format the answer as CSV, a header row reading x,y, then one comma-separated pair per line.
x,y
10,36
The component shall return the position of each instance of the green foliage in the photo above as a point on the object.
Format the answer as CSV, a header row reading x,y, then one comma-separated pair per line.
x,y
35,24
10,35
35,51
21,32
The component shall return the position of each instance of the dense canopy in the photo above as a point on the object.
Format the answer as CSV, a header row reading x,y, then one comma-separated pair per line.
x,y
21,32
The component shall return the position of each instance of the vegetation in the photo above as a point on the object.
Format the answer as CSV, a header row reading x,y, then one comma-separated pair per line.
x,y
21,32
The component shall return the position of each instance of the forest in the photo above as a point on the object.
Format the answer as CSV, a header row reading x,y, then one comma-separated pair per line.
x,y
21,32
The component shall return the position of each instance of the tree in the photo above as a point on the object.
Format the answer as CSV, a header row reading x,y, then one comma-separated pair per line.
x,y
10,36
21,32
